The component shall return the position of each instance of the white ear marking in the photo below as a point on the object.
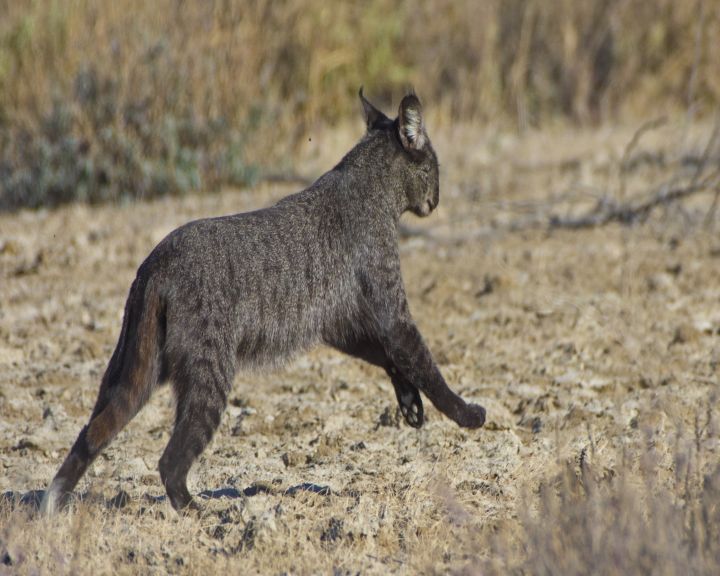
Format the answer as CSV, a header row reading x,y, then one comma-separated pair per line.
x,y
412,132
413,124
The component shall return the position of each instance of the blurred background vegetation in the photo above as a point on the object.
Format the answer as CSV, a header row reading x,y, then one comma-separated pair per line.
x,y
114,99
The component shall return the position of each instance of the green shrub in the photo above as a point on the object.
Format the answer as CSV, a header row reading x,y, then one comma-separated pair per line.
x,y
93,147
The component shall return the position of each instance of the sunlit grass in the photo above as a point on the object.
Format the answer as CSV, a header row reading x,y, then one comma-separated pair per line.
x,y
115,100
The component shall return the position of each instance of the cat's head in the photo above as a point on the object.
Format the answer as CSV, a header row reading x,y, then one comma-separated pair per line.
x,y
411,164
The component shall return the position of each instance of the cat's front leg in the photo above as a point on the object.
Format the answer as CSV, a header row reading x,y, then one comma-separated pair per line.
x,y
372,351
411,357
408,398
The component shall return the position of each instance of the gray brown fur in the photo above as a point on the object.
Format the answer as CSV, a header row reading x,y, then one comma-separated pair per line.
x,y
320,267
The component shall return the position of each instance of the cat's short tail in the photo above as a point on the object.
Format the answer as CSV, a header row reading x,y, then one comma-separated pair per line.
x,y
131,376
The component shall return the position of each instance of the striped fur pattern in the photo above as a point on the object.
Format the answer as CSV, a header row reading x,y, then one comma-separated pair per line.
x,y
250,290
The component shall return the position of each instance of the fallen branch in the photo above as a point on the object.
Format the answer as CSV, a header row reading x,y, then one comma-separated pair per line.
x,y
608,210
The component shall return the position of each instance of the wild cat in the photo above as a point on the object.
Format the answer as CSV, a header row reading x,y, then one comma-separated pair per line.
x,y
322,266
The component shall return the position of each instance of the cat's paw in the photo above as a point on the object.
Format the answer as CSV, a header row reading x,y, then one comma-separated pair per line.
x,y
413,412
474,416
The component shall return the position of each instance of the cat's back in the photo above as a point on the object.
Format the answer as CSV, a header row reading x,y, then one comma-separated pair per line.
x,y
252,238
296,258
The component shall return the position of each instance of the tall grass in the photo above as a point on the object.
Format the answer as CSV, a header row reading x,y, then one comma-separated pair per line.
x,y
652,512
631,524
104,100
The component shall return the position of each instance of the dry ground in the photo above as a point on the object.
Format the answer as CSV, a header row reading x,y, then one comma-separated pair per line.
x,y
594,348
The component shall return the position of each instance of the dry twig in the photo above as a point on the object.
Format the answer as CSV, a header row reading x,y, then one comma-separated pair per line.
x,y
609,209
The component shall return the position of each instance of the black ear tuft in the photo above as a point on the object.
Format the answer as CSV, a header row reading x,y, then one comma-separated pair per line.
x,y
373,116
411,125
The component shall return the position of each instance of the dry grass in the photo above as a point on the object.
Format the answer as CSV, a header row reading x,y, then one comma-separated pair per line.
x,y
596,353
304,61
629,519
125,99
651,511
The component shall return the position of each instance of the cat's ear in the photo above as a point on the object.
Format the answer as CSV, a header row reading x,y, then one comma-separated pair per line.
x,y
373,116
410,123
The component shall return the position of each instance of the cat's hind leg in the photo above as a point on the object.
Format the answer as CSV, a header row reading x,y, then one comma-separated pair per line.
x,y
201,391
